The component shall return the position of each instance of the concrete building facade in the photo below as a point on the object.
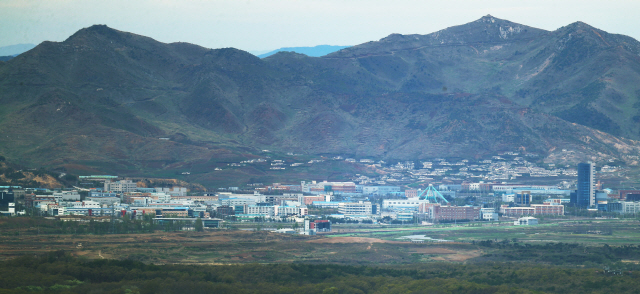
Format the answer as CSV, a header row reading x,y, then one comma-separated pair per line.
x,y
355,208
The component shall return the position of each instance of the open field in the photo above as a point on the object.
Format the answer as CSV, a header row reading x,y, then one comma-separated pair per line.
x,y
348,244
589,232
229,247
352,259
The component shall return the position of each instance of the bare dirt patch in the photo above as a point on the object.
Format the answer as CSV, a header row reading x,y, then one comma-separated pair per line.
x,y
434,250
353,240
457,256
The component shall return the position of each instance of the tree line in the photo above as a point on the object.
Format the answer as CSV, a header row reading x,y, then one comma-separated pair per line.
x,y
59,272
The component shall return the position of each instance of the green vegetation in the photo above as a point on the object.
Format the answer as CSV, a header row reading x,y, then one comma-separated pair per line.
x,y
73,257
58,272
198,226
80,226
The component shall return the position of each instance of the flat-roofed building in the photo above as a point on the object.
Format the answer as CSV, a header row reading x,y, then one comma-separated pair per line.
x,y
523,198
380,190
510,188
411,193
67,196
120,186
308,200
355,208
173,191
320,225
629,207
526,221
82,204
237,201
547,209
403,204
326,204
447,213
623,193
489,214
322,187
518,211
278,199
105,200
263,210
286,210
227,210
196,198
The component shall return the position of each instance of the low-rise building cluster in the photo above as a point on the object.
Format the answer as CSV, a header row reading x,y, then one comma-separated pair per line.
x,y
363,199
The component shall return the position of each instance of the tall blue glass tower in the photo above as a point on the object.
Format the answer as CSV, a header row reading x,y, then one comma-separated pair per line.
x,y
586,185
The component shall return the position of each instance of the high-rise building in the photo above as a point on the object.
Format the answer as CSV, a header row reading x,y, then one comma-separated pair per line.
x,y
523,198
586,196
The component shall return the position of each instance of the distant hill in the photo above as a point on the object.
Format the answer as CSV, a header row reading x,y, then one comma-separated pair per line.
x,y
13,50
110,101
316,51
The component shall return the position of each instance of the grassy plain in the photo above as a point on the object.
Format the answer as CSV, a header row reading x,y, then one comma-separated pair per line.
x,y
228,247
589,232
347,244
580,256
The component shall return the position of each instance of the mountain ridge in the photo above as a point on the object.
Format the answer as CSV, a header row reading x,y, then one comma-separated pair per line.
x,y
315,51
101,99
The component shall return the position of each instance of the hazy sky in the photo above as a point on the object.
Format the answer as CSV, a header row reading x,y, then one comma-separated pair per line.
x,y
255,25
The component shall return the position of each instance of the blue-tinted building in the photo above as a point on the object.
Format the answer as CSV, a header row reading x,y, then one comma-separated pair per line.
x,y
6,198
586,194
523,198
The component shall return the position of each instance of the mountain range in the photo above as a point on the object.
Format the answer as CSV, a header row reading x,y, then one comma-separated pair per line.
x,y
315,51
110,101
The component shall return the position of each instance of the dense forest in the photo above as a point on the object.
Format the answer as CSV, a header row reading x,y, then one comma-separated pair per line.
x,y
87,225
59,272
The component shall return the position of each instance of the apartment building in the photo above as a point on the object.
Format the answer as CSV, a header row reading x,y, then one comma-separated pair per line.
x,y
121,186
355,208
447,213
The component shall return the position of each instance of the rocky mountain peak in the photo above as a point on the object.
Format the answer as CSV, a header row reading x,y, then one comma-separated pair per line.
x,y
487,29
488,19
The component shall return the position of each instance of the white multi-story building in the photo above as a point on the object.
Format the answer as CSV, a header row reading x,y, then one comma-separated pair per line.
x,y
82,204
355,208
508,198
510,188
488,214
161,197
122,186
256,197
67,196
276,210
55,210
335,187
402,204
630,207
175,191
526,221
105,200
237,201
266,210
289,210
380,190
